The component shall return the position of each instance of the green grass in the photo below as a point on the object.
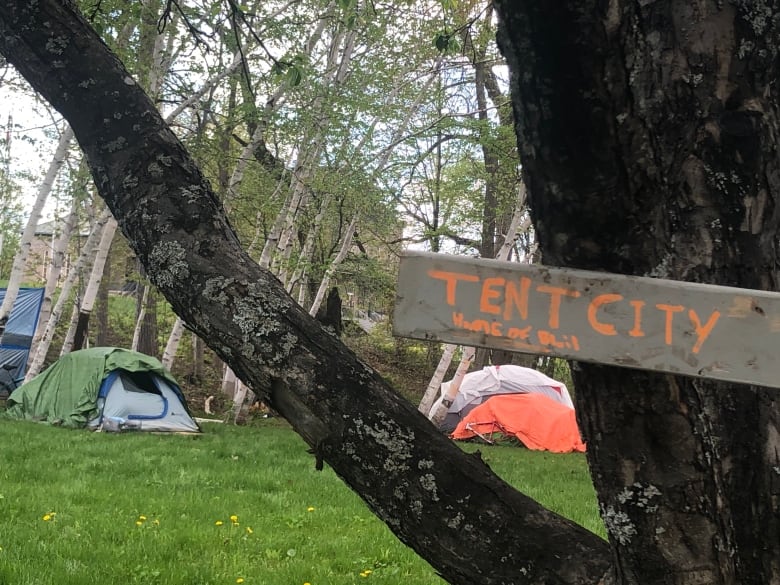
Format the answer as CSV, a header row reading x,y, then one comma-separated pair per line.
x,y
83,508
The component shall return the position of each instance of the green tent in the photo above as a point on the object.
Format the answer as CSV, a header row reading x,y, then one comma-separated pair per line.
x,y
106,388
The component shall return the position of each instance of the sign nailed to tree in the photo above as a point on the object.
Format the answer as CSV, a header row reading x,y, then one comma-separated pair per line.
x,y
686,328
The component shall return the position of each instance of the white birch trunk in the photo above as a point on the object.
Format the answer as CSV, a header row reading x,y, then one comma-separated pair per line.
x,y
272,241
278,238
308,246
229,382
238,400
303,285
346,244
169,355
59,249
162,57
272,104
211,82
438,377
463,367
84,262
90,294
382,163
20,260
336,71
316,144
140,320
298,200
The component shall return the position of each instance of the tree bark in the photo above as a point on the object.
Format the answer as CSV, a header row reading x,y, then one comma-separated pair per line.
x,y
172,346
76,336
84,263
374,439
648,133
59,249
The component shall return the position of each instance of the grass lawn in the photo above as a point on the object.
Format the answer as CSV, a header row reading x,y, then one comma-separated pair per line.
x,y
234,505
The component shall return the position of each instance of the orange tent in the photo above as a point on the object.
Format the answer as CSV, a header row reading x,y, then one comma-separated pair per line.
x,y
541,423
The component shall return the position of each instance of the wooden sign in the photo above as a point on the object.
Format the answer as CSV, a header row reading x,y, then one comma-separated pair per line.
x,y
669,326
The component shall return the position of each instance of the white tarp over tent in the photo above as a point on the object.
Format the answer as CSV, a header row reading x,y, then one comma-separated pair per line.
x,y
493,380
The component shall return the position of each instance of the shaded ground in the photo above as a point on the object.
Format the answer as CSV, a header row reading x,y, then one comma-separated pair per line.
x,y
406,365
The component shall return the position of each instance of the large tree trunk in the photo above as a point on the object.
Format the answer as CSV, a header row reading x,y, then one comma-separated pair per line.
x,y
649,137
375,440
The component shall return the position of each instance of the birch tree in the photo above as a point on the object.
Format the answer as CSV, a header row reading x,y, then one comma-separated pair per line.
x,y
59,249
77,331
84,262
20,260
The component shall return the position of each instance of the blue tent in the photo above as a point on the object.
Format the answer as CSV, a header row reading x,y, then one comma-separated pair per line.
x,y
17,338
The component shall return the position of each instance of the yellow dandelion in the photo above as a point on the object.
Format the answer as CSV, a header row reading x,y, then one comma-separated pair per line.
x,y
249,530
218,523
234,519
142,518
307,583
139,523
240,580
47,517
310,509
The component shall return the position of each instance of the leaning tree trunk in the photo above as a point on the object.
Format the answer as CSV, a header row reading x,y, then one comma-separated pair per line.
x,y
408,473
59,249
650,147
41,349
76,336
25,245
172,345
346,245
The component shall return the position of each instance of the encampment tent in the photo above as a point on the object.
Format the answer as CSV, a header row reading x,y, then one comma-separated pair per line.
x,y
478,386
539,422
16,338
104,388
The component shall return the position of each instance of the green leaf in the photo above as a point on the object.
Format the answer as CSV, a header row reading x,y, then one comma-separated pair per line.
x,y
278,68
294,76
440,41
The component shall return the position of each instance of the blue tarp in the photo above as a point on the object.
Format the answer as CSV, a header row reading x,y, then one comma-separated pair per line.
x,y
23,320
